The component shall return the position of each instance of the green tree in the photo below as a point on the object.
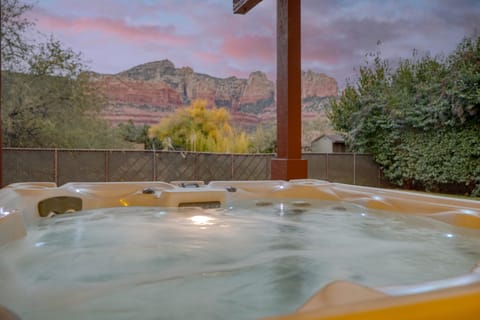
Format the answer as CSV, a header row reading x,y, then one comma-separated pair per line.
x,y
264,139
139,135
14,24
47,98
420,120
198,128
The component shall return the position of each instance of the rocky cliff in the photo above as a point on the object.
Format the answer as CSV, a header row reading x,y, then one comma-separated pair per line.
x,y
149,92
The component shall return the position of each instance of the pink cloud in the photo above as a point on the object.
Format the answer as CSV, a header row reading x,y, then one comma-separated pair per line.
x,y
208,57
205,35
248,47
325,52
118,28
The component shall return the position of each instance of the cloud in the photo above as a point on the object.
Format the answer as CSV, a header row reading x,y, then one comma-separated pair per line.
x,y
248,47
336,35
116,28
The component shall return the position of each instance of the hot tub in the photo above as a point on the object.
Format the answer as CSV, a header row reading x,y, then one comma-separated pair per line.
x,y
307,249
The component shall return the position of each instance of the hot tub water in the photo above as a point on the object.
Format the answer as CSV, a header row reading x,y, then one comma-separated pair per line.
x,y
249,260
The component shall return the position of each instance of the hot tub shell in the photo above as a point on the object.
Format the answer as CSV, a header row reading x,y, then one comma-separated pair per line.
x,y
25,204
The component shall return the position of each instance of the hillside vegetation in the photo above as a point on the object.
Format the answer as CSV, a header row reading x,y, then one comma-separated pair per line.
x,y
420,120
47,100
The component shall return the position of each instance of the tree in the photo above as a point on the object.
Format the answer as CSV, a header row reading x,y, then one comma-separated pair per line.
x,y
139,134
198,128
420,120
14,47
47,98
264,139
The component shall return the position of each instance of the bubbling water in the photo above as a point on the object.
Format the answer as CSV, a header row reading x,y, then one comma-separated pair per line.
x,y
246,261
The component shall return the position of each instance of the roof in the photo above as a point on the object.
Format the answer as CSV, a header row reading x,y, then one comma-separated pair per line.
x,y
335,138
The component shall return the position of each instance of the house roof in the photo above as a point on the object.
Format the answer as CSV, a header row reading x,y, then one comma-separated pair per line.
x,y
335,138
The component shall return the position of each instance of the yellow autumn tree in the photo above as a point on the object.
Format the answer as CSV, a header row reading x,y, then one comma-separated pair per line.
x,y
198,128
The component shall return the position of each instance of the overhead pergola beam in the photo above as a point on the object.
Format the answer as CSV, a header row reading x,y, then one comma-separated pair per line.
x,y
243,6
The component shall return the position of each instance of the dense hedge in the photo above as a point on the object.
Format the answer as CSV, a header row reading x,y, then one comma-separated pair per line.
x,y
420,120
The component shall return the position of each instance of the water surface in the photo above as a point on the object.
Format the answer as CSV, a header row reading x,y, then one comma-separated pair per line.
x,y
264,259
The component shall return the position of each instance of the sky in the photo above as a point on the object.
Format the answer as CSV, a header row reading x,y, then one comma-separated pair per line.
x,y
337,35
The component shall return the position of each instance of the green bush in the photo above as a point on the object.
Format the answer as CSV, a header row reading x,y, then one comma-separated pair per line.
x,y
420,120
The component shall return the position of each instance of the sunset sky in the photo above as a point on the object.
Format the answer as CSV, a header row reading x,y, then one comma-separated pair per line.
x,y
114,35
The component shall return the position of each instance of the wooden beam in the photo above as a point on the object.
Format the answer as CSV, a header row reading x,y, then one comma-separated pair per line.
x,y
243,6
289,163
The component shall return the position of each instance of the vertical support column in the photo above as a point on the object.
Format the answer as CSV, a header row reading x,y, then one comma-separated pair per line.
x,y
288,164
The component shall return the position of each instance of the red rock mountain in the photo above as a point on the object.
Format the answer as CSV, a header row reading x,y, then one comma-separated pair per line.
x,y
151,91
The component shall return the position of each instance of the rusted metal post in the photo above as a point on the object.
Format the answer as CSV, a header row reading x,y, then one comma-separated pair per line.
x,y
289,163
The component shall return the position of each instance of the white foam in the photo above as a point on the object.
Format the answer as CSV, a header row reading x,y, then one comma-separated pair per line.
x,y
143,263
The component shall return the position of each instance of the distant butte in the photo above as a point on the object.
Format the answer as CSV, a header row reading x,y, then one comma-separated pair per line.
x,y
148,92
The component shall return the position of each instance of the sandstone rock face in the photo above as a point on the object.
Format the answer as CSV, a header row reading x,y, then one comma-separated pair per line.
x,y
258,87
318,85
148,92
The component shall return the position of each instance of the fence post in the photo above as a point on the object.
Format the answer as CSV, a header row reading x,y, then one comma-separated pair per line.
x,y
154,164
326,165
354,168
55,166
232,160
107,166
196,166
379,176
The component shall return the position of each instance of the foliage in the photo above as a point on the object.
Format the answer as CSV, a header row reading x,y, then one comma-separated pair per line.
x,y
14,47
264,139
256,107
420,120
138,134
198,128
47,98
52,111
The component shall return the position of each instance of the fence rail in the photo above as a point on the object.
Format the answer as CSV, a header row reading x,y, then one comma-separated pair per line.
x,y
74,165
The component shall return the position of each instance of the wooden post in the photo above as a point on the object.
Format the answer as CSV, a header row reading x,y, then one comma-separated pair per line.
x,y
289,163
243,6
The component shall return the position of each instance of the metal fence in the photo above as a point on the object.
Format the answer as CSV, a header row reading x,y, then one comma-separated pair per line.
x,y
73,165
